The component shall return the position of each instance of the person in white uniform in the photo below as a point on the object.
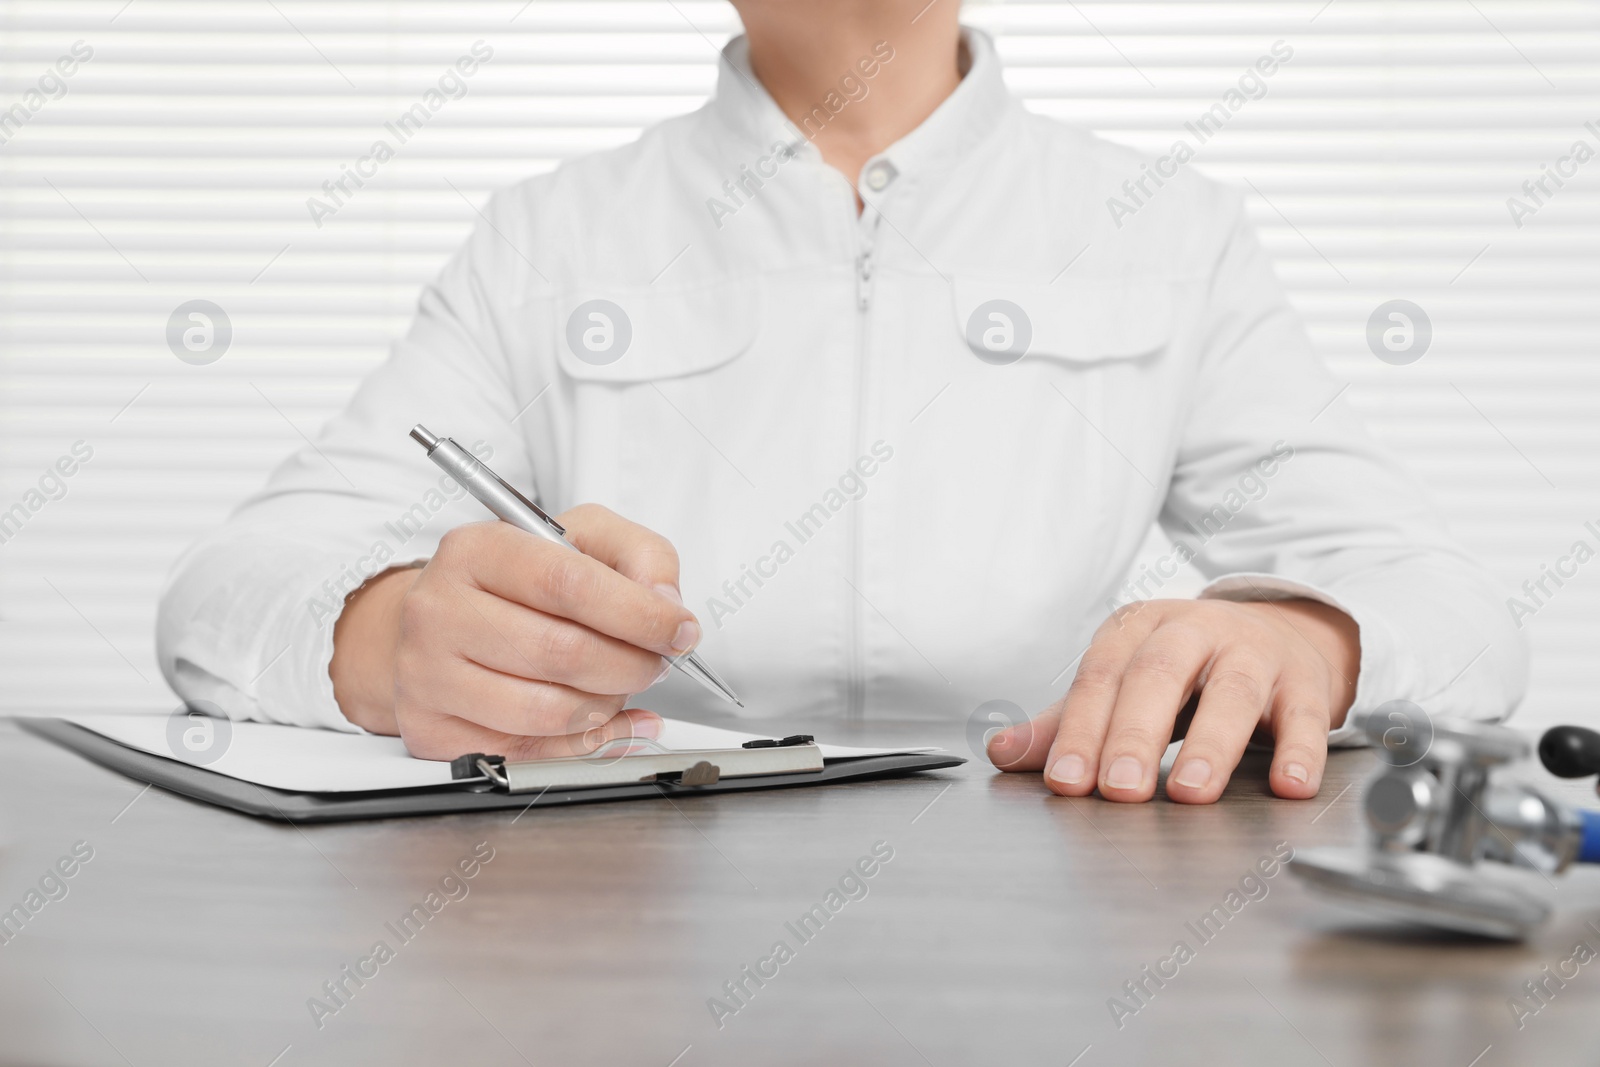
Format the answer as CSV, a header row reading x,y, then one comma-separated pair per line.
x,y
868,384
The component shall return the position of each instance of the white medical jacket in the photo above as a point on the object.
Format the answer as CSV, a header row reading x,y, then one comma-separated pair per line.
x,y
907,456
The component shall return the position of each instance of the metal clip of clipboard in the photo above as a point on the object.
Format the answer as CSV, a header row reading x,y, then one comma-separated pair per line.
x,y
632,761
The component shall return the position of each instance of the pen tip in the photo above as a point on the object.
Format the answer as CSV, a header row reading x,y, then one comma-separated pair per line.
x,y
739,702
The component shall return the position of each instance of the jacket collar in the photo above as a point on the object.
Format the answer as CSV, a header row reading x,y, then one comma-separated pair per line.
x,y
977,106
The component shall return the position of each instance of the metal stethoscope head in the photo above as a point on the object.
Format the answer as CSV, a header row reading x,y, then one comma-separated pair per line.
x,y
1442,835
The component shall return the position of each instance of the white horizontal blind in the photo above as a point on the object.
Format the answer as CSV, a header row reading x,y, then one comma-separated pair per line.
x,y
177,162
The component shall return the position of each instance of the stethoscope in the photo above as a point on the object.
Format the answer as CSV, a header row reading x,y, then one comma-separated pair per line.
x,y
1439,827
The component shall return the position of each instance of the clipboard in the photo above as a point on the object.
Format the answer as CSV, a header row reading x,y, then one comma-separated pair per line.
x,y
476,793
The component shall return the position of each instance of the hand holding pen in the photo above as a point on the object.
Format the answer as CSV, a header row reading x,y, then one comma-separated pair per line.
x,y
525,646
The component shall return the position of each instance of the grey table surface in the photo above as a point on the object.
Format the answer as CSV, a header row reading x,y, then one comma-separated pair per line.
x,y
999,932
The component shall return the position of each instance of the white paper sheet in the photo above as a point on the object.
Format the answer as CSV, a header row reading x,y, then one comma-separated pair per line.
x,y
324,761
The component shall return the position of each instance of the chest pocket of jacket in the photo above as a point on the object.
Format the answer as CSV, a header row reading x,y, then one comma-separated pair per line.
x,y
623,336
1072,322
646,371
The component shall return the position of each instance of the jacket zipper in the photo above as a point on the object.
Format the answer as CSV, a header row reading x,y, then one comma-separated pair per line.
x,y
855,693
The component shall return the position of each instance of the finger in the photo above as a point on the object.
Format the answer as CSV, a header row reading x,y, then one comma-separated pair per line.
x,y
450,685
634,551
518,566
511,639
1025,746
1158,680
1085,712
1234,699
1300,721
434,736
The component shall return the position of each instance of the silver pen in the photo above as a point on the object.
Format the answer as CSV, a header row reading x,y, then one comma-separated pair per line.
x,y
511,506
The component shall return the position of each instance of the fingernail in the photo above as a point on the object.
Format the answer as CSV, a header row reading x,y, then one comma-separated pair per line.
x,y
670,591
1297,772
687,637
666,669
1000,740
650,728
1194,774
1068,770
1124,773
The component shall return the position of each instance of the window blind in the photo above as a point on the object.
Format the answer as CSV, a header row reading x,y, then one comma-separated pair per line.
x,y
155,154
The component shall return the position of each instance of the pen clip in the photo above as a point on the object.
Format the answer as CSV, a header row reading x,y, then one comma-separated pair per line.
x,y
508,487
535,508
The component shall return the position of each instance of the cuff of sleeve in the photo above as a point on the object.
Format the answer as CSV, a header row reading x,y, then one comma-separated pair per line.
x,y
254,653
305,681
297,687
309,681
1377,644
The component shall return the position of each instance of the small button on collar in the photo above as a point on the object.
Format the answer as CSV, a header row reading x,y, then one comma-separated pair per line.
x,y
880,175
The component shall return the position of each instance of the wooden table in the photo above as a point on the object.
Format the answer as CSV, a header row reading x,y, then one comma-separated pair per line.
x,y
998,933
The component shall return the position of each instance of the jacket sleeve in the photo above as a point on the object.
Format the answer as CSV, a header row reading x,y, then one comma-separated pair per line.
x,y
246,617
1278,492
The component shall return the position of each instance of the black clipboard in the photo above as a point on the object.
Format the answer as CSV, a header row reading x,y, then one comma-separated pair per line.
x,y
285,805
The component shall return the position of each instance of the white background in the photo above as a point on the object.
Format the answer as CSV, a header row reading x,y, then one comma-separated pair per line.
x,y
178,165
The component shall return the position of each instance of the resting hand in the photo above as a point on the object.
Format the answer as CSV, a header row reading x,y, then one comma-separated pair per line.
x,y
1285,669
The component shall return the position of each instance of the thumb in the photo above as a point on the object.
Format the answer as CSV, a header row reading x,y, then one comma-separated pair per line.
x,y
1023,747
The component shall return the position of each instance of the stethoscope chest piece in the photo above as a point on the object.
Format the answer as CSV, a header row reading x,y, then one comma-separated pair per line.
x,y
1443,837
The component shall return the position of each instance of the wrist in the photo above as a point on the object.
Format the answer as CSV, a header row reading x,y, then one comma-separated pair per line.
x,y
366,637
